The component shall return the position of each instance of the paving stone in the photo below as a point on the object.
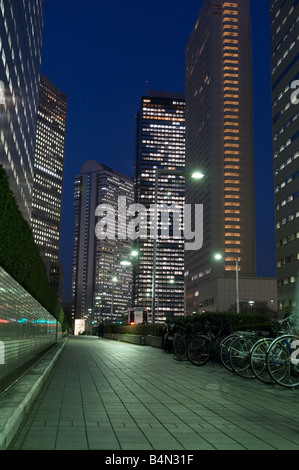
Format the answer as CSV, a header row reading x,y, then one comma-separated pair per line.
x,y
107,395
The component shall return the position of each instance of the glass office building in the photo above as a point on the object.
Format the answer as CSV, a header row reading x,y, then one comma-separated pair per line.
x,y
285,105
21,32
48,178
161,145
49,169
101,285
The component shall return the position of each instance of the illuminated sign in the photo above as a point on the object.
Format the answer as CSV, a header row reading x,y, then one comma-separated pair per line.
x,y
79,327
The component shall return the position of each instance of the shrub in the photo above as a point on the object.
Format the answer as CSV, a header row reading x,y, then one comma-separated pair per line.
x,y
228,321
19,255
144,330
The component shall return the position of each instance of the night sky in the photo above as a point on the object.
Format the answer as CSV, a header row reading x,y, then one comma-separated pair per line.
x,y
104,56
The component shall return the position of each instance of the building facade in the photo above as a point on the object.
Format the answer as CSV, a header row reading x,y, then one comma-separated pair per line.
x,y
101,286
219,142
161,146
48,178
285,104
21,32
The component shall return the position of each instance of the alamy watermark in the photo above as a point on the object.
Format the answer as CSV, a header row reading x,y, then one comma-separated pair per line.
x,y
295,94
2,93
295,354
158,222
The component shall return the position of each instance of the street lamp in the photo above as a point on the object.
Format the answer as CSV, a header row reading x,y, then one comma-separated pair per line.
x,y
125,263
218,257
135,253
195,175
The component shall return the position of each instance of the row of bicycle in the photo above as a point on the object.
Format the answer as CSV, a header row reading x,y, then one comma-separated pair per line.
x,y
272,359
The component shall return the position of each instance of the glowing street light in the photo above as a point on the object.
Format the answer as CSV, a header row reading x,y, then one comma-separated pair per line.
x,y
197,175
125,263
135,253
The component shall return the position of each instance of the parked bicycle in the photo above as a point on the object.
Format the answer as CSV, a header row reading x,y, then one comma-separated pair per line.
x,y
183,335
207,346
282,362
283,357
258,354
239,354
225,348
271,357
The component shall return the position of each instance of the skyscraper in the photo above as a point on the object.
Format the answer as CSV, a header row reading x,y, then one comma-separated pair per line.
x,y
219,141
49,169
101,287
48,178
21,32
160,145
285,104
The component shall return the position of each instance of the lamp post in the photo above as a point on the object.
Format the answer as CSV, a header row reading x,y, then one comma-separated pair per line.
x,y
218,257
115,281
124,263
195,175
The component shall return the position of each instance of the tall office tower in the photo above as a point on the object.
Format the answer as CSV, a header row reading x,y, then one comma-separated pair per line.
x,y
285,103
21,31
101,286
49,169
160,145
48,177
219,142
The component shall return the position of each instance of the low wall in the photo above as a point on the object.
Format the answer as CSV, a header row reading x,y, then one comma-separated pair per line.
x,y
26,328
154,341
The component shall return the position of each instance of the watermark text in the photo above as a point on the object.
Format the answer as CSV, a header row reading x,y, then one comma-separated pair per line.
x,y
295,94
2,93
159,221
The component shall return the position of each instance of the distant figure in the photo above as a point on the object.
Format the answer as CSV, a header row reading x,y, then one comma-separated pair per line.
x,y
101,330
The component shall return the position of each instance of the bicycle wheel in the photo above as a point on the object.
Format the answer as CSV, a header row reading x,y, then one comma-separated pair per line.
x,y
199,350
239,356
258,360
282,361
224,350
179,347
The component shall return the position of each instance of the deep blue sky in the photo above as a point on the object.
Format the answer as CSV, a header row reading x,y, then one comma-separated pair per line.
x,y
102,54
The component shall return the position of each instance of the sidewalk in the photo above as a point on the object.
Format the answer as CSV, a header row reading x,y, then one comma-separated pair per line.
x,y
107,395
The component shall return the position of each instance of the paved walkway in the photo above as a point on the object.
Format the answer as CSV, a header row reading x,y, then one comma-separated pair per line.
x,y
115,396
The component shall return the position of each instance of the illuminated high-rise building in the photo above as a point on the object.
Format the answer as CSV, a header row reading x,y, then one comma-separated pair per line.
x,y
101,286
21,33
49,169
285,105
160,145
219,142
48,178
